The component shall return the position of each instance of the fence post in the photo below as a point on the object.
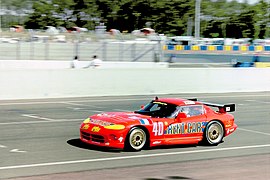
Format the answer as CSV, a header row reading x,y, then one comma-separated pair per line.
x,y
160,51
133,51
46,56
104,51
32,50
18,50
121,52
77,44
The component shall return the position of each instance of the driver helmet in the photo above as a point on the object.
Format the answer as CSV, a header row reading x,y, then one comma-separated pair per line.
x,y
185,110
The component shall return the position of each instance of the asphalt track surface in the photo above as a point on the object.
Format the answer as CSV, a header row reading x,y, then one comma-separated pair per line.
x,y
39,140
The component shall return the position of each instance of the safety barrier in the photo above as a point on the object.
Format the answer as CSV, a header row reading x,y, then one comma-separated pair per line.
x,y
262,65
54,83
216,48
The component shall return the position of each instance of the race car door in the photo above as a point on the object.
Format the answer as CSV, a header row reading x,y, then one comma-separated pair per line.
x,y
159,130
187,129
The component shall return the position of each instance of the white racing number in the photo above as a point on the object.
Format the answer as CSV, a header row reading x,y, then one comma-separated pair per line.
x,y
158,128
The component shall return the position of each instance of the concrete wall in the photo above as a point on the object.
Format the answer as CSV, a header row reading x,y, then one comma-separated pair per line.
x,y
44,64
52,83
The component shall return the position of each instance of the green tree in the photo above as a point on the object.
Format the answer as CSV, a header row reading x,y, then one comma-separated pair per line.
x,y
165,16
262,19
67,13
219,18
62,12
16,15
42,16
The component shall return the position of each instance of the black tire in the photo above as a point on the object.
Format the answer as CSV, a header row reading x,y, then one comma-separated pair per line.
x,y
136,139
214,133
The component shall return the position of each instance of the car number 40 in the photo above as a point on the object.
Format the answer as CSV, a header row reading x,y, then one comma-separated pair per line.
x,y
158,128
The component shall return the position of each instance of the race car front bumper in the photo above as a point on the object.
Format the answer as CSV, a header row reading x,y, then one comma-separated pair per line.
x,y
109,140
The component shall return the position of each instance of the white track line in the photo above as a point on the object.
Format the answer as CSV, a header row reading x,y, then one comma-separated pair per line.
x,y
17,151
250,100
129,99
130,157
37,122
257,132
2,146
123,110
71,103
96,111
37,117
257,101
77,104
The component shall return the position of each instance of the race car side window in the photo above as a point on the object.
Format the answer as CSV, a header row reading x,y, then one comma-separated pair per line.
x,y
193,110
175,113
196,110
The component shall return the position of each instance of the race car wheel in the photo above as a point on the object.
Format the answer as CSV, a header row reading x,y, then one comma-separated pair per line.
x,y
136,139
214,133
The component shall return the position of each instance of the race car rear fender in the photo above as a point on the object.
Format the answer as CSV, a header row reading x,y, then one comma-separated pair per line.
x,y
220,123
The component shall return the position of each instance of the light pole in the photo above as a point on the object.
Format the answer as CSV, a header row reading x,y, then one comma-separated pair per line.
x,y
0,18
197,18
189,26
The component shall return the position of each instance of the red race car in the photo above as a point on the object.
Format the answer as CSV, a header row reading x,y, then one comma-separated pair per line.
x,y
163,121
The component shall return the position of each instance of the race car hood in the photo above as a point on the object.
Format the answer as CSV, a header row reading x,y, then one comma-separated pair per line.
x,y
124,118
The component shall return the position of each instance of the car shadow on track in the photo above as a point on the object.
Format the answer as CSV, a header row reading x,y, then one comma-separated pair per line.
x,y
182,146
79,144
173,146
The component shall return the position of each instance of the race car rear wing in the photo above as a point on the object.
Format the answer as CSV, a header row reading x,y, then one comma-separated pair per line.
x,y
222,108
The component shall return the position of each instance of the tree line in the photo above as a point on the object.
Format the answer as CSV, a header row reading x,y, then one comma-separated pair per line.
x,y
219,18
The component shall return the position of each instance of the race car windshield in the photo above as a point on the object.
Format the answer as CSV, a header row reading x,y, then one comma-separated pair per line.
x,y
158,109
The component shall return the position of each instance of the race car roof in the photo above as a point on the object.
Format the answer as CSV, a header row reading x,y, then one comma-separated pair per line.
x,y
177,101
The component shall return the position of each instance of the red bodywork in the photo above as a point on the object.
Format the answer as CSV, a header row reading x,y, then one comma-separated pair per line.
x,y
111,129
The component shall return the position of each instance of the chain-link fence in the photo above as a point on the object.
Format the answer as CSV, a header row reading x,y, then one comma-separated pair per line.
x,y
38,46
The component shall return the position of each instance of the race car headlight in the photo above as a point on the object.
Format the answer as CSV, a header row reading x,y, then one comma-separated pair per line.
x,y
86,121
115,127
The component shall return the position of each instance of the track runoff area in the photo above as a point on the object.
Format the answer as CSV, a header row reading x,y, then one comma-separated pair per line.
x,y
39,139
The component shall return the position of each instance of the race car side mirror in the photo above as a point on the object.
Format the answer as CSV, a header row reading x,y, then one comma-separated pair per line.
x,y
142,106
180,116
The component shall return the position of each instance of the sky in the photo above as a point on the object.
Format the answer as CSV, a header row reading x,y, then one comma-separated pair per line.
x,y
253,1
250,1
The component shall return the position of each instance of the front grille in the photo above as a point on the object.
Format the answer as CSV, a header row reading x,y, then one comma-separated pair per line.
x,y
85,135
93,137
97,138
